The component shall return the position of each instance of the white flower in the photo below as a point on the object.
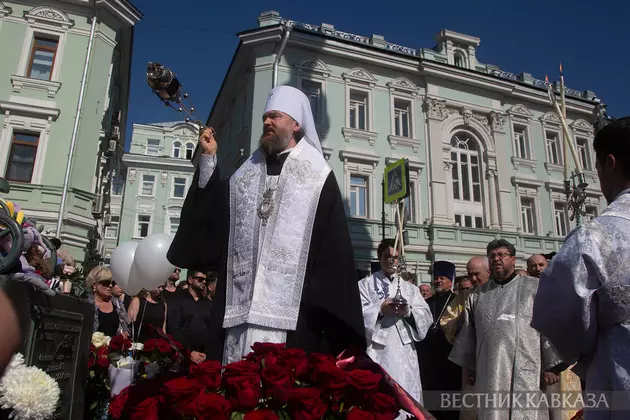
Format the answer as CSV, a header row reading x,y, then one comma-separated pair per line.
x,y
137,346
99,339
28,391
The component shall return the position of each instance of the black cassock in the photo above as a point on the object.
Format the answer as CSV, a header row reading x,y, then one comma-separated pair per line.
x,y
330,317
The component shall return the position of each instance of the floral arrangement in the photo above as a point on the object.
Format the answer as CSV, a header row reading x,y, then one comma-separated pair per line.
x,y
29,392
272,382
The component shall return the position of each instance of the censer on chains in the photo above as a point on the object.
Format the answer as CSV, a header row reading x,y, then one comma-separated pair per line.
x,y
398,301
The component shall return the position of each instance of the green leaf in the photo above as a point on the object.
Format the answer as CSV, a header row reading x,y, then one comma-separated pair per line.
x,y
341,408
237,416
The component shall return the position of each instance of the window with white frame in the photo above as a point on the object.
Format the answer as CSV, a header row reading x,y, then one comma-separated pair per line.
x,y
561,219
467,220
22,154
42,59
111,231
179,187
553,147
148,185
152,148
591,212
521,142
465,170
117,186
313,91
402,118
177,149
143,225
173,225
529,224
190,149
583,153
359,196
358,110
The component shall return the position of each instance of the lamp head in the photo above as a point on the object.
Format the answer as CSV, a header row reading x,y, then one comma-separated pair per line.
x,y
163,82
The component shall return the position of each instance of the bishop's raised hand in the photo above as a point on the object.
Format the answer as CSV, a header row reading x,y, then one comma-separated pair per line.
x,y
207,142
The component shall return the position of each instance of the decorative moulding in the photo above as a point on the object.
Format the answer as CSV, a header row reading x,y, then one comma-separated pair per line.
x,y
49,16
359,75
353,133
327,152
553,167
5,10
550,118
403,141
403,85
20,82
525,163
581,125
315,66
359,156
520,111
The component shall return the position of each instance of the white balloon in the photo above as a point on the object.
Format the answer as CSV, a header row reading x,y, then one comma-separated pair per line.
x,y
151,266
121,261
135,282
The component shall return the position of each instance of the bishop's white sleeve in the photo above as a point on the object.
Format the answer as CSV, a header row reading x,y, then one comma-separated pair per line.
x,y
422,317
207,164
565,306
371,305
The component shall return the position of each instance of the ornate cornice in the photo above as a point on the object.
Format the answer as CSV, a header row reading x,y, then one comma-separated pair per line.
x,y
313,66
49,16
359,75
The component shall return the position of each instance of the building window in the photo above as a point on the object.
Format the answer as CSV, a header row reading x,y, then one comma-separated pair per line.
x,y
21,162
553,147
561,220
459,60
591,213
152,148
358,110
117,186
111,231
173,225
358,196
521,142
143,224
402,118
470,221
313,90
582,149
177,149
465,170
190,149
179,187
42,59
528,216
148,184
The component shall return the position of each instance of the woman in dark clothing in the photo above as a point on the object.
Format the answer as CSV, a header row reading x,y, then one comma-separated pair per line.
x,y
147,308
110,317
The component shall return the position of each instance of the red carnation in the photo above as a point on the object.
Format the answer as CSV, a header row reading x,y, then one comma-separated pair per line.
x,y
149,409
241,368
120,343
377,402
332,380
212,406
150,345
102,351
117,404
243,392
264,348
306,404
207,373
102,362
277,381
263,414
164,347
180,393
358,414
296,358
363,380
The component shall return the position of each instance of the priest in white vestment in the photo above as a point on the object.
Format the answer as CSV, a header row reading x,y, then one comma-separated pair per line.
x,y
498,350
277,233
392,334
583,301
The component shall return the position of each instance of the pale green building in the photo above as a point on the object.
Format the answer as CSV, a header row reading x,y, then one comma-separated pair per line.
x,y
44,49
150,196
484,147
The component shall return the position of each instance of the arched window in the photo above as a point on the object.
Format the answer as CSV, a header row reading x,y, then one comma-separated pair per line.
x,y
459,59
466,176
190,148
177,149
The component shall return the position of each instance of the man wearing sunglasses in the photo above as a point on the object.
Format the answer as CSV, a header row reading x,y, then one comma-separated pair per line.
x,y
189,315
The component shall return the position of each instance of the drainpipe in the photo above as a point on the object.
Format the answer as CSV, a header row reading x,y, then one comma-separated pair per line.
x,y
77,119
276,61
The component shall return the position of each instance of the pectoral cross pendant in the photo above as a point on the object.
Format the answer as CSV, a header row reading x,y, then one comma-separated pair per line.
x,y
266,206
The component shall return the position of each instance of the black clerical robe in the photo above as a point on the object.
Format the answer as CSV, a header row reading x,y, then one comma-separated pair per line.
x,y
330,317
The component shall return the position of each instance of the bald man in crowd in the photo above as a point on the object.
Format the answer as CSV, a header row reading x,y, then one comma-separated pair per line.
x,y
536,264
426,291
478,270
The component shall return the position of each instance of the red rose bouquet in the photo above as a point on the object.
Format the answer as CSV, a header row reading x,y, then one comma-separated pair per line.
x,y
271,382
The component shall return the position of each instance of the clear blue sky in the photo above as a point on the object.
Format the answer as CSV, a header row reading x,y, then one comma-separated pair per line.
x,y
197,39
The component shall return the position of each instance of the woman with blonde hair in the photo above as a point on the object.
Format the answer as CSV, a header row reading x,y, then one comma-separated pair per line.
x,y
110,317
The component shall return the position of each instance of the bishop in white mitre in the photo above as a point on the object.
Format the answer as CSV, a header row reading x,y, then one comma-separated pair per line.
x,y
392,334
583,301
276,231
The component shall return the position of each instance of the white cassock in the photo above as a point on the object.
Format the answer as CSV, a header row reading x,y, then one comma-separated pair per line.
x,y
391,339
582,305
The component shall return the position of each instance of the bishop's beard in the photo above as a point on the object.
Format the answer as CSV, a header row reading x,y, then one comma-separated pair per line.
x,y
273,143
